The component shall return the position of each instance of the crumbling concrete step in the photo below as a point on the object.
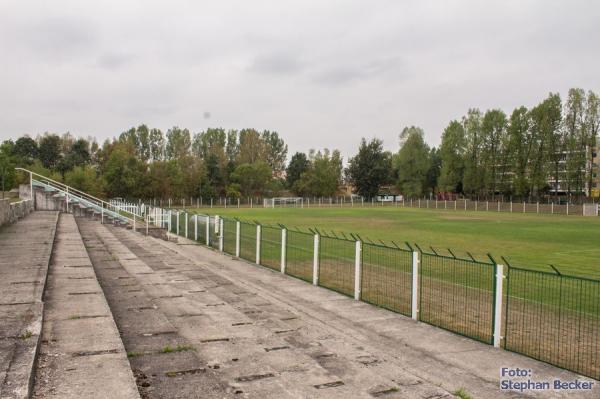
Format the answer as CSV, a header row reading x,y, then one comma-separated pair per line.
x,y
81,354
25,249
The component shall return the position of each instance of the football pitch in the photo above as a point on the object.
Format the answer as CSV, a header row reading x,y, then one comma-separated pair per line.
x,y
570,243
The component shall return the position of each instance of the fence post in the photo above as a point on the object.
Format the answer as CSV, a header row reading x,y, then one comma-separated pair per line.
x,y
170,220
567,208
195,227
498,304
237,239
316,260
220,234
538,207
357,270
258,233
186,225
207,230
283,249
415,286
177,223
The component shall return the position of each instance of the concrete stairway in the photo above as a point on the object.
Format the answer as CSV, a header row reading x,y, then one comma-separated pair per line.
x,y
25,250
81,355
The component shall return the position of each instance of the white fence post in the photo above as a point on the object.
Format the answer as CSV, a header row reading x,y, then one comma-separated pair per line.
x,y
258,234
316,260
237,238
283,249
170,216
207,219
220,234
195,227
186,225
498,306
357,270
415,286
177,223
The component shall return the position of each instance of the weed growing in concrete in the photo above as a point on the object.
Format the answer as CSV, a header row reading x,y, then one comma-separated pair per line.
x,y
462,394
26,334
178,348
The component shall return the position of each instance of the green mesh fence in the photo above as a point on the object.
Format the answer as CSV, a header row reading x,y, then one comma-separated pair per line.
x,y
270,247
173,222
202,229
213,236
299,255
248,241
336,264
229,233
554,318
457,295
386,278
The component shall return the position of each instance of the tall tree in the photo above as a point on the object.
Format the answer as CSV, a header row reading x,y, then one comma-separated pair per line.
x,y
412,162
26,150
179,143
519,151
298,165
452,151
592,123
473,180
576,140
50,150
323,177
253,178
275,151
549,150
252,147
493,129
370,168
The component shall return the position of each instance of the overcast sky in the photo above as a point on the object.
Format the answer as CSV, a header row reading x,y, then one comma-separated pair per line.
x,y
321,73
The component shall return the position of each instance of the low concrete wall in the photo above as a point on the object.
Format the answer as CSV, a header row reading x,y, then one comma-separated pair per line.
x,y
11,212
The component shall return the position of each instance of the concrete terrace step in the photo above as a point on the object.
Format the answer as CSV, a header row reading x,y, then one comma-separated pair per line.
x,y
25,250
81,355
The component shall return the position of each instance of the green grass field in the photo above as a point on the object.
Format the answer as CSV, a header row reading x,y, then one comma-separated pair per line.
x,y
571,243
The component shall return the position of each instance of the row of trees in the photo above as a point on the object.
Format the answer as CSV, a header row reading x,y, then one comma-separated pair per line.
x,y
546,150
145,163
533,152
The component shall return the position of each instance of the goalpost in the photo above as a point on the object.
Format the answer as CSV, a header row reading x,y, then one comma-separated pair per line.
x,y
590,209
284,202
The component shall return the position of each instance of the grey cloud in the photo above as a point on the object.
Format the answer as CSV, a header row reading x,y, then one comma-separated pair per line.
x,y
59,38
114,60
347,74
278,63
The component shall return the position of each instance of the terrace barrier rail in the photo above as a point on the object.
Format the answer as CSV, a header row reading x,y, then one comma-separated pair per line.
x,y
550,317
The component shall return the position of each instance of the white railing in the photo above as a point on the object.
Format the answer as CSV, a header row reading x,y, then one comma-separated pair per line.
x,y
85,198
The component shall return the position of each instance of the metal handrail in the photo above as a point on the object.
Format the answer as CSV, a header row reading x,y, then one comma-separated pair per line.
x,y
68,190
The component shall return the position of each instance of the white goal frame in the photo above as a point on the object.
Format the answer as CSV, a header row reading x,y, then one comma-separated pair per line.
x,y
283,202
590,209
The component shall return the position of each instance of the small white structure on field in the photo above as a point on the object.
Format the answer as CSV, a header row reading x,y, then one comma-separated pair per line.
x,y
590,209
284,202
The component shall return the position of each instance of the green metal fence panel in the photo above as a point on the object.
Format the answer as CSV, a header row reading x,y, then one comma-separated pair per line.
x,y
248,241
190,226
386,278
202,229
173,222
214,237
229,235
270,247
336,264
554,318
457,295
299,255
